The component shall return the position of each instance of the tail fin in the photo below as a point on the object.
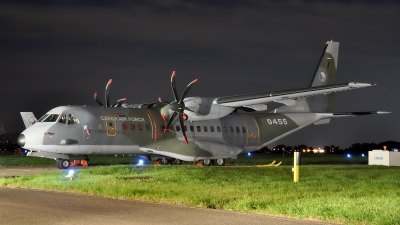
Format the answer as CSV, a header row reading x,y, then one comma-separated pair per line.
x,y
325,74
2,131
28,118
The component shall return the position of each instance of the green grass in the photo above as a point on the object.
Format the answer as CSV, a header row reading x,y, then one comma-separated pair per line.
x,y
242,159
350,194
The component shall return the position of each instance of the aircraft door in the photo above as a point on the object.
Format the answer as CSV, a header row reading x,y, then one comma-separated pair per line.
x,y
111,127
253,132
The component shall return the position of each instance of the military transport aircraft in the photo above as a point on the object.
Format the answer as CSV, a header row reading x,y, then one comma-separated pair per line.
x,y
203,129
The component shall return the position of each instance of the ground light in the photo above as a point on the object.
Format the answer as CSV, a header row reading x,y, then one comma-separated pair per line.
x,y
71,174
362,155
141,162
348,156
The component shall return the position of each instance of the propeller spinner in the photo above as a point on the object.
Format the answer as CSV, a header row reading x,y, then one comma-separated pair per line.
x,y
178,106
107,96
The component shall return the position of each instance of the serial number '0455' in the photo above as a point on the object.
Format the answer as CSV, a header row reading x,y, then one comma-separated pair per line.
x,y
277,121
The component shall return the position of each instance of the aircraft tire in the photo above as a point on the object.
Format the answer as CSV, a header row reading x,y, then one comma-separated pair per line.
x,y
176,162
63,163
207,162
218,162
164,161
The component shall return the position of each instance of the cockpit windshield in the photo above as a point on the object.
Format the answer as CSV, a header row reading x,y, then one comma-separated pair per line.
x,y
49,118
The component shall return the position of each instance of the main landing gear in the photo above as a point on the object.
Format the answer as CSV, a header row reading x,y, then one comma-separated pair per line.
x,y
215,162
205,162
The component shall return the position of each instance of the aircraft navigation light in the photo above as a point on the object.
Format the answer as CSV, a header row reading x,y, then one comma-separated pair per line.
x,y
362,155
140,162
348,156
249,153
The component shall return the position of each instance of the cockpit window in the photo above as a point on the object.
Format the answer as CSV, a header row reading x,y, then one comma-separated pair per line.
x,y
72,119
43,117
62,119
51,118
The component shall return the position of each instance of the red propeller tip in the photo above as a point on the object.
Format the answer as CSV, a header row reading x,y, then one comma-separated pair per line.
x,y
185,139
173,75
109,82
195,81
95,95
123,99
159,99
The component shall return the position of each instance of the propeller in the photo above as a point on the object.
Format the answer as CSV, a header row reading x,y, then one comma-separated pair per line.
x,y
178,106
107,96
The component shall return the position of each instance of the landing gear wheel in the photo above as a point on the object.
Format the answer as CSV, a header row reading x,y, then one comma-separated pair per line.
x,y
164,161
219,162
63,164
176,162
207,162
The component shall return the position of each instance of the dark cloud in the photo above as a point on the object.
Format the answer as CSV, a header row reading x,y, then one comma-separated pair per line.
x,y
61,52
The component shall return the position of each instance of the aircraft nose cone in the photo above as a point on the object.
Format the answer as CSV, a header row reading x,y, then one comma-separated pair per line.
x,y
21,140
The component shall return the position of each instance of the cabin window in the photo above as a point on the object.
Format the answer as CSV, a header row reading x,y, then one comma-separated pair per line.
x,y
148,127
124,126
198,129
205,128
132,126
225,130
243,130
72,119
237,130
140,126
231,129
192,128
211,128
218,129
178,128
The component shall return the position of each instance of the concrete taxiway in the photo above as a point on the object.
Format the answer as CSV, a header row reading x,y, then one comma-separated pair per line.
x,y
30,206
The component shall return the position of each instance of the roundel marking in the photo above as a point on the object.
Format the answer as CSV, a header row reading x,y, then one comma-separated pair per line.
x,y
322,77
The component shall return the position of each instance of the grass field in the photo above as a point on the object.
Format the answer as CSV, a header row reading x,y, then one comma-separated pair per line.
x,y
349,194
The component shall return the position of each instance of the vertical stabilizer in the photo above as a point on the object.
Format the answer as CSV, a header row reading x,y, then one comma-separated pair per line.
x,y
325,74
2,131
28,118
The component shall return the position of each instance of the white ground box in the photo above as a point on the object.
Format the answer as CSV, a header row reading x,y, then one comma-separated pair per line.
x,y
385,158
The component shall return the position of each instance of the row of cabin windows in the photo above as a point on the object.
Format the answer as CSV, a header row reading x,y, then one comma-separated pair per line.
x,y
205,129
198,128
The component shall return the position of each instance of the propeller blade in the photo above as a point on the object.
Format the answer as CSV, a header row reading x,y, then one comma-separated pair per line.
x,y
183,127
170,121
173,86
108,93
97,100
119,102
187,89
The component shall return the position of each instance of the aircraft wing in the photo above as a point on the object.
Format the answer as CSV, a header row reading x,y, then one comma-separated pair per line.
x,y
285,97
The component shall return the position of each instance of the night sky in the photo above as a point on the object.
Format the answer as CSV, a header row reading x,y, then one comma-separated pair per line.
x,y
57,53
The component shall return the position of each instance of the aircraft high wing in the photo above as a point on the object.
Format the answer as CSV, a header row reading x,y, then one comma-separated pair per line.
x,y
203,129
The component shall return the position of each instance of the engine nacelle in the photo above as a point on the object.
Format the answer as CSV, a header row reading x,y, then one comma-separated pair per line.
x,y
205,109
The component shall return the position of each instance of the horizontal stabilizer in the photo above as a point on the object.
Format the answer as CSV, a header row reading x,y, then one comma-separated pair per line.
x,y
359,113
